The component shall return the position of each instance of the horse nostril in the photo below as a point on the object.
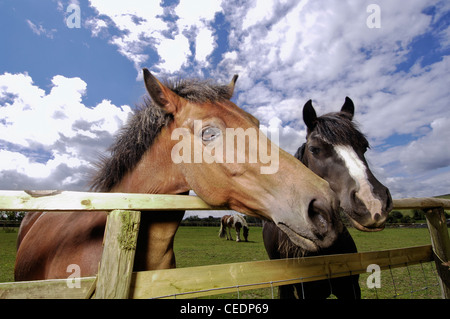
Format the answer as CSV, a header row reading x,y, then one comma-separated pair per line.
x,y
318,216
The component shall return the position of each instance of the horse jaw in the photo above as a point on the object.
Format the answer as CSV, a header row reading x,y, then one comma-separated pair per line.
x,y
298,240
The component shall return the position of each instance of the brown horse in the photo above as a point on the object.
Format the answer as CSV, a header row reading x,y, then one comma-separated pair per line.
x,y
334,150
233,221
186,120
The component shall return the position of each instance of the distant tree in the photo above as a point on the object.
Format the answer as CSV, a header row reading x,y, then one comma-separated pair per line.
x,y
418,214
11,216
407,220
394,217
253,220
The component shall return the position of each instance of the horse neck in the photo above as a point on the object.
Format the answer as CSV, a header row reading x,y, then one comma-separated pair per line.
x,y
155,174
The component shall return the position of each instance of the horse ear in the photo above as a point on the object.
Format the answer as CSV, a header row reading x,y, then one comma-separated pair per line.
x,y
309,115
231,85
160,94
348,108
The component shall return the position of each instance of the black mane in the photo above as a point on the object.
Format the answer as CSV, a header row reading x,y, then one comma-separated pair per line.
x,y
137,136
337,129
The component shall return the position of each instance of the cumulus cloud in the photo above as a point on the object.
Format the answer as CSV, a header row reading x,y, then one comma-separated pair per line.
x,y
52,138
292,51
301,48
170,31
286,52
427,153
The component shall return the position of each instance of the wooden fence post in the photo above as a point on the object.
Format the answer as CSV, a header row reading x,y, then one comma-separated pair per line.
x,y
441,247
116,267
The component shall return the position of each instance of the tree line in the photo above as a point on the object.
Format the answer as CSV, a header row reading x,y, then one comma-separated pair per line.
x,y
11,219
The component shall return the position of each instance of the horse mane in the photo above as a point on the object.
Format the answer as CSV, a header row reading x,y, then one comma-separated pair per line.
x,y
300,152
142,128
337,129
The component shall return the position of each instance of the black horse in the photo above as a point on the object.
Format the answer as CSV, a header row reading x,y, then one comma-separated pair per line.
x,y
334,150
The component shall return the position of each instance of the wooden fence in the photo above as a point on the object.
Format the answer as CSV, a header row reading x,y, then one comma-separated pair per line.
x,y
116,279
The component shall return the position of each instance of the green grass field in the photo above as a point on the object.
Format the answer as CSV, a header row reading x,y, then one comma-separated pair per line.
x,y
196,246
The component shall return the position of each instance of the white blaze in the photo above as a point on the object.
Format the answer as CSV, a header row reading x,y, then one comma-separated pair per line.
x,y
357,171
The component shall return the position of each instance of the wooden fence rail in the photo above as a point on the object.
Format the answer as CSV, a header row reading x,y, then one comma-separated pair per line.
x,y
116,279
218,279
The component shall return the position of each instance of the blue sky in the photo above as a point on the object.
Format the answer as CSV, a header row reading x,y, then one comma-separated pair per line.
x,y
64,91
71,52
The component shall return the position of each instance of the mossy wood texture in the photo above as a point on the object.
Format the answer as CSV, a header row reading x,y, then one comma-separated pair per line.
x,y
70,201
73,201
116,267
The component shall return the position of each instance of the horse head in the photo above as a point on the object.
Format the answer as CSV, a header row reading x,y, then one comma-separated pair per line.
x,y
334,150
218,151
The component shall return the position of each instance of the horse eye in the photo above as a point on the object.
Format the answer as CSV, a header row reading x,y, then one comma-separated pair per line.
x,y
210,133
314,150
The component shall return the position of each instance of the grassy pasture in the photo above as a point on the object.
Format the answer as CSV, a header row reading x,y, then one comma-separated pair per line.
x,y
196,246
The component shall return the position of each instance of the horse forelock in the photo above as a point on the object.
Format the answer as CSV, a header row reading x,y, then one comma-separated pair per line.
x,y
339,130
142,128
199,91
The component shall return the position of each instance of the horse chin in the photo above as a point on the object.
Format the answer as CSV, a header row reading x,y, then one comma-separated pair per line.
x,y
360,227
301,241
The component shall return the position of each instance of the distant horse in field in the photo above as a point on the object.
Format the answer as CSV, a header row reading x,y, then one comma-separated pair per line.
x,y
334,150
233,221
145,158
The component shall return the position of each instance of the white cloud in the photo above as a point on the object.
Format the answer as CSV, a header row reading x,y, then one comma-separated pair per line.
x,y
410,101
139,22
197,16
289,52
97,26
19,163
318,43
204,45
260,11
173,53
143,29
40,30
429,152
286,52
419,168
49,136
198,12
